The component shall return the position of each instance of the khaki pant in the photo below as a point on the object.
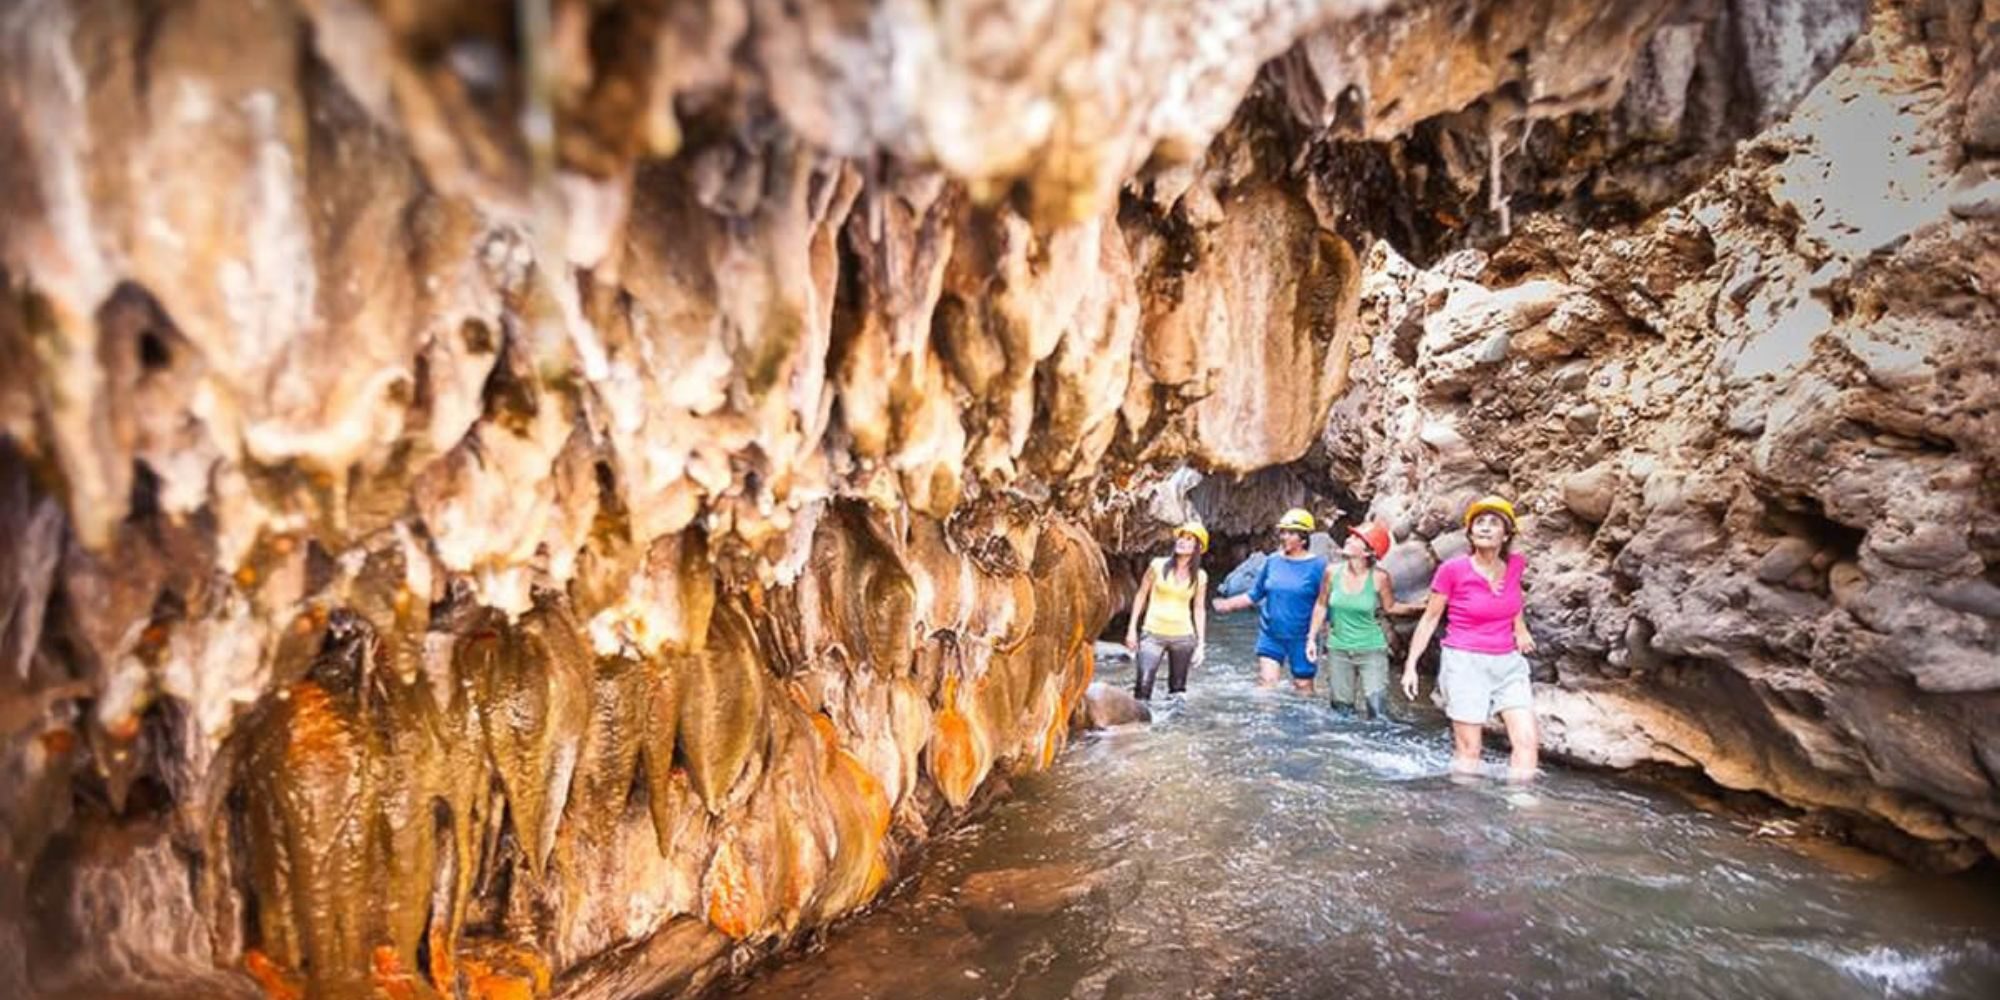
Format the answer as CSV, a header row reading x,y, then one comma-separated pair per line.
x,y
1360,678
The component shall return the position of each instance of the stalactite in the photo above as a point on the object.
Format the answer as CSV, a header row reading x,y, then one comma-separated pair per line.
x,y
724,703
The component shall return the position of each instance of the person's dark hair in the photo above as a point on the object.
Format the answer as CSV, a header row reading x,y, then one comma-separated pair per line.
x,y
1506,544
1194,561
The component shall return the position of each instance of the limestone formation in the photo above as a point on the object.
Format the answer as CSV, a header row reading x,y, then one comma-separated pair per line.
x,y
566,497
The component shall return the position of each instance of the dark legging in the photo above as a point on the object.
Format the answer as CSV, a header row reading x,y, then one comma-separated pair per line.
x,y
1179,651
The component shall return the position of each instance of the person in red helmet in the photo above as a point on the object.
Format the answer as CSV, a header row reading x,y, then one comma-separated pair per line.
x,y
1357,650
1483,671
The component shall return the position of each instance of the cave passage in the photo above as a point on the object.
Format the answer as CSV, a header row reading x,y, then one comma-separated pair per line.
x,y
575,498
1255,843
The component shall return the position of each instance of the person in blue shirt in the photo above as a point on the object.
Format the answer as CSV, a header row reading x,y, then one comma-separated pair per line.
x,y
1287,590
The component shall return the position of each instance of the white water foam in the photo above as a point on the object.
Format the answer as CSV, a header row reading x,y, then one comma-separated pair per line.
x,y
1390,764
1897,973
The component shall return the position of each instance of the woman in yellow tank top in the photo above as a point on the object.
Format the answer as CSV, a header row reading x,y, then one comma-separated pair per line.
x,y
1170,614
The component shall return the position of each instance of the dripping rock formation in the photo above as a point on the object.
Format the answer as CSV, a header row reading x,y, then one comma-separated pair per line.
x,y
566,498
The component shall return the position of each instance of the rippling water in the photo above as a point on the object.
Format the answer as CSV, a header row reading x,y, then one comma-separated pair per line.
x,y
1255,844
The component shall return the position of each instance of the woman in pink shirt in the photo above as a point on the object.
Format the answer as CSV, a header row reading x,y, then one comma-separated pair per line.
x,y
1482,670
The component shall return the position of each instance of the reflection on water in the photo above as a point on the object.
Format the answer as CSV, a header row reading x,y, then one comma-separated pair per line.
x,y
1255,844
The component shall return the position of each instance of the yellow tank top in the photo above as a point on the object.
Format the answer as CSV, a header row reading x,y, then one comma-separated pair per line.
x,y
1170,611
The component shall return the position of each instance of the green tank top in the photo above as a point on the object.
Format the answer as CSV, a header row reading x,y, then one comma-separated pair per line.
x,y
1354,625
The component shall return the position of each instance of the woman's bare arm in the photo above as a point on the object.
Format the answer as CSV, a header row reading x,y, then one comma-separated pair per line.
x,y
1523,640
1426,627
1139,610
1385,587
1201,618
1319,615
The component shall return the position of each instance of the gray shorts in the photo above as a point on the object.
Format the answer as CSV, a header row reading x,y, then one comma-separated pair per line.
x,y
1478,686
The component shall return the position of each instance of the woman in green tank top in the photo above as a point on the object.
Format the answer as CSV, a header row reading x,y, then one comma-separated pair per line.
x,y
1357,648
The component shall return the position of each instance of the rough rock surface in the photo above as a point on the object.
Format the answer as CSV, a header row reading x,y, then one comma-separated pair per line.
x,y
1104,707
1753,439
563,502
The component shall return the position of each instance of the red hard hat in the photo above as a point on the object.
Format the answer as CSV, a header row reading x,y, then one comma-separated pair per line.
x,y
1376,535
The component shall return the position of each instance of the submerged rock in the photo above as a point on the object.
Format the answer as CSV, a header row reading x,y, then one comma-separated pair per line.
x,y
992,899
1105,707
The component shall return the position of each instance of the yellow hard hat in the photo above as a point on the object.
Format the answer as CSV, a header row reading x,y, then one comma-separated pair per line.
x,y
1194,530
1297,519
1494,504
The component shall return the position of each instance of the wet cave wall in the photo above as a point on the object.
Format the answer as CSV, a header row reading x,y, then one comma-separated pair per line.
x,y
568,497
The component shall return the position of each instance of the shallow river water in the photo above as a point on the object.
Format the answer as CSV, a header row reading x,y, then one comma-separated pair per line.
x,y
1256,844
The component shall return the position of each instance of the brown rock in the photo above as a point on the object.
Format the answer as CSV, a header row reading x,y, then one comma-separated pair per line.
x,y
1591,493
991,899
1105,706
1784,559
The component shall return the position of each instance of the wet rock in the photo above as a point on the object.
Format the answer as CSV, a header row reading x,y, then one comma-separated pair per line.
x,y
1105,706
678,957
992,899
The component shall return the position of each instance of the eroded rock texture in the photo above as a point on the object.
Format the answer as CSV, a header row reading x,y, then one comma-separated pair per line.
x,y
563,496
1755,436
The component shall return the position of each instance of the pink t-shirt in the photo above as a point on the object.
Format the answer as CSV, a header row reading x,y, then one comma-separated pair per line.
x,y
1478,620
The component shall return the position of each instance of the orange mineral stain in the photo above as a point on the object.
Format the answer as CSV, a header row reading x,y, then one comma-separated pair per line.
x,y
389,977
500,971
732,893
954,750
442,970
275,981
124,729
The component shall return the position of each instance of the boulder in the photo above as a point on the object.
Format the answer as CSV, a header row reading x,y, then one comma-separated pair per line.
x,y
1243,576
1409,565
1105,706
1784,559
1589,494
